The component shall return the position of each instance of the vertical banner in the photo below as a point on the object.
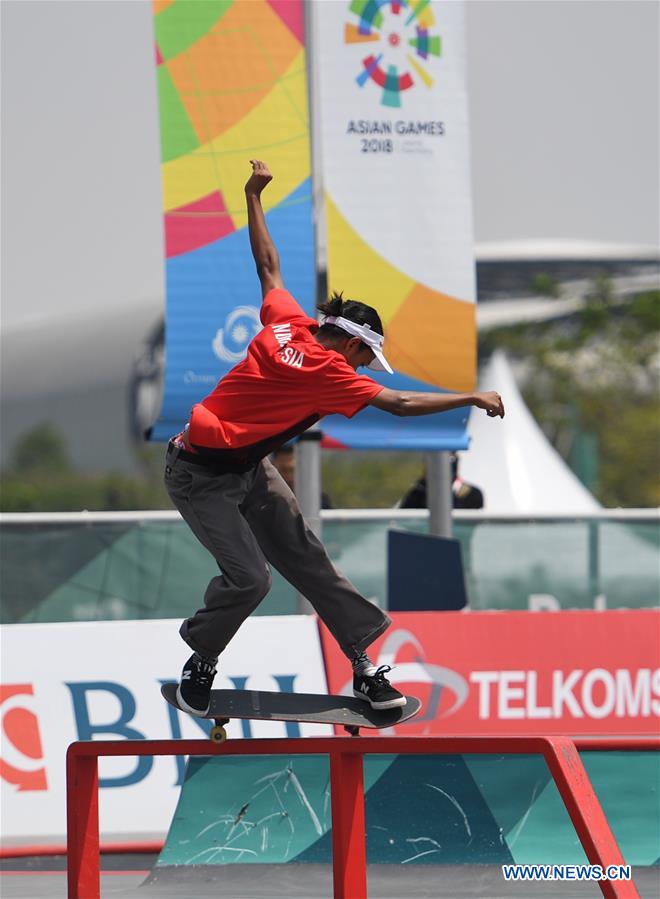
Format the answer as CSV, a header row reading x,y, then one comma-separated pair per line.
x,y
232,86
393,135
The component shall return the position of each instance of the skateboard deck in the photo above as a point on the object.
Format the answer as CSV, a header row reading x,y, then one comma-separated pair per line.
x,y
316,708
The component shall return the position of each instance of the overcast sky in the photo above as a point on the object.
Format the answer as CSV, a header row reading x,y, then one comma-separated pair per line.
x,y
564,105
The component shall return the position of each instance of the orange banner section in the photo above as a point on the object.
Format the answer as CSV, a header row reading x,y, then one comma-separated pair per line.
x,y
231,69
447,326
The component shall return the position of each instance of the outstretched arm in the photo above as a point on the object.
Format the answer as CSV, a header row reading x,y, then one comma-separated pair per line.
x,y
265,254
402,402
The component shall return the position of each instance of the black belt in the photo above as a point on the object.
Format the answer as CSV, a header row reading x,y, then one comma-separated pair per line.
x,y
219,466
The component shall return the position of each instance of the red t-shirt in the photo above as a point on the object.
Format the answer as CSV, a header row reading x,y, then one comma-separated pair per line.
x,y
285,384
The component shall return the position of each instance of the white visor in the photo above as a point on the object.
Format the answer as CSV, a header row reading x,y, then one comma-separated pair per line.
x,y
371,338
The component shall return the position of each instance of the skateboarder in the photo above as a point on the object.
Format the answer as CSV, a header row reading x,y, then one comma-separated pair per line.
x,y
237,504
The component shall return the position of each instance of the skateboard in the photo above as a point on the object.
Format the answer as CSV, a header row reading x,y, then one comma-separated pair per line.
x,y
317,708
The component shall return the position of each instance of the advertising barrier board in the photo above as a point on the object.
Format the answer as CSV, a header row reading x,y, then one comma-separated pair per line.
x,y
101,680
575,673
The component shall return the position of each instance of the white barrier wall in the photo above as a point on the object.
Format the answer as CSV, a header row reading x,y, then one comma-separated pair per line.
x,y
101,680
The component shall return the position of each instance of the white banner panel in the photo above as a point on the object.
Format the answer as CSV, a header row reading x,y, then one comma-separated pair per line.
x,y
391,88
67,682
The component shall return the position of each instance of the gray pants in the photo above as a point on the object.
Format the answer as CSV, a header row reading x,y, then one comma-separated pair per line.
x,y
248,521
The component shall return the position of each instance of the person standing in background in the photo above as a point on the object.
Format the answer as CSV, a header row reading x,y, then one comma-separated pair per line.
x,y
284,460
464,495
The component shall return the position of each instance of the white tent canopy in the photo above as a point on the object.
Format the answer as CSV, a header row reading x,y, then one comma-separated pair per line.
x,y
512,461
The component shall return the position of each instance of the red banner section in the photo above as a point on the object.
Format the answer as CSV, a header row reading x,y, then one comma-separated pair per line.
x,y
520,672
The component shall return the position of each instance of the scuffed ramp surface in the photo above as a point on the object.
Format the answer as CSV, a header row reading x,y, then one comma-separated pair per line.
x,y
254,809
263,810
420,811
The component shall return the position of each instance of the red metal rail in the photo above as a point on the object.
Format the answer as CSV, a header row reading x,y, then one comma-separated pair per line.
x,y
146,847
616,744
347,793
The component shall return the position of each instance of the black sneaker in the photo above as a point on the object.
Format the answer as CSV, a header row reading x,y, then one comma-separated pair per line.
x,y
194,692
377,690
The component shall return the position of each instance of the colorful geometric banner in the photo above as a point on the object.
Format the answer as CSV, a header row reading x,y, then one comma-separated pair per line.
x,y
232,86
395,164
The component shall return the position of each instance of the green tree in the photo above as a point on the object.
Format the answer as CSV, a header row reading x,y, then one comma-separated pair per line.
x,y
41,478
545,285
595,373
371,480
40,448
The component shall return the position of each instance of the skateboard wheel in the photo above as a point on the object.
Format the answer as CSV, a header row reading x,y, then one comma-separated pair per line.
x,y
352,729
218,734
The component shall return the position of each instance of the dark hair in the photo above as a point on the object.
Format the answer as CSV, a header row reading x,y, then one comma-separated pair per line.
x,y
353,310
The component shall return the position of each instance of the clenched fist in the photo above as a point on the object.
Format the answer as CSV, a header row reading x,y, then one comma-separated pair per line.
x,y
491,401
259,178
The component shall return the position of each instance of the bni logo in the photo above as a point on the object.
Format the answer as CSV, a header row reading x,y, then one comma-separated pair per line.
x,y
401,44
21,761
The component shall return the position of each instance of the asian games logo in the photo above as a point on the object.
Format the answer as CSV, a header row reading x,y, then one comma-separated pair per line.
x,y
241,326
400,34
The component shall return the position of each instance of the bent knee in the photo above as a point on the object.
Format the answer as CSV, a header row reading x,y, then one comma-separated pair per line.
x,y
257,584
264,582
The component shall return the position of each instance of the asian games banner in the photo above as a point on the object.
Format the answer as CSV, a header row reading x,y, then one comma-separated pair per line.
x,y
395,168
232,86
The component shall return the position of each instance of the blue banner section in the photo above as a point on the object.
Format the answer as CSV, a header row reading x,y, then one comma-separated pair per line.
x,y
374,429
213,303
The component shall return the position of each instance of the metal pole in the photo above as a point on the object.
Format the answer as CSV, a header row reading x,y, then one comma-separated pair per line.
x,y
349,856
314,101
438,492
307,483
82,802
307,477
594,561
